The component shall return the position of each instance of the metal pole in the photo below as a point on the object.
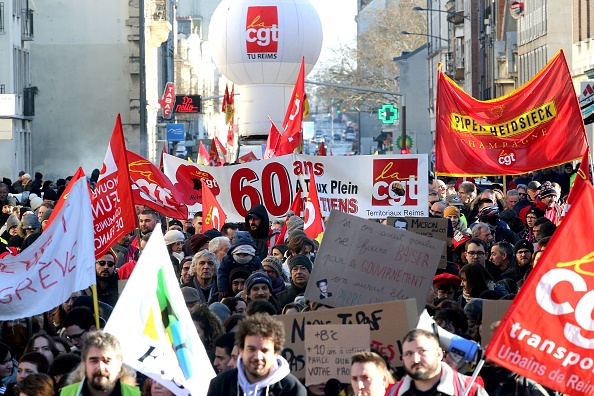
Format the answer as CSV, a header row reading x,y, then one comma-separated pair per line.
x,y
143,138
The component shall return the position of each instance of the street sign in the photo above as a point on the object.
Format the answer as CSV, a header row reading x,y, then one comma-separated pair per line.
x,y
387,114
176,132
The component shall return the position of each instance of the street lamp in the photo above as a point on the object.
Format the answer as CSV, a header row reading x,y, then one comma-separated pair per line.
x,y
452,17
424,34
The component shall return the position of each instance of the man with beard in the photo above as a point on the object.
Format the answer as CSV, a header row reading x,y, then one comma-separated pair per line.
x,y
102,362
260,368
524,250
426,373
258,226
107,279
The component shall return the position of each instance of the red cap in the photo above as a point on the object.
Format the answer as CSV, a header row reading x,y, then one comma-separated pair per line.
x,y
459,239
446,279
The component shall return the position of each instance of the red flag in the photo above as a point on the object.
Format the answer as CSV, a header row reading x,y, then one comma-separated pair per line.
x,y
151,188
213,215
60,202
272,141
229,103
214,158
163,152
546,334
220,148
113,209
297,209
249,157
314,221
230,133
537,126
292,136
322,150
203,157
582,178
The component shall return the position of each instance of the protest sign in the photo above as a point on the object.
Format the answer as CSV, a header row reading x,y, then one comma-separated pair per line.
x,y
369,186
329,349
428,226
60,262
493,311
386,332
363,262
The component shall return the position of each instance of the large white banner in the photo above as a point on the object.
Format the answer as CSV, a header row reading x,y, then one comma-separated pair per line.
x,y
59,262
367,186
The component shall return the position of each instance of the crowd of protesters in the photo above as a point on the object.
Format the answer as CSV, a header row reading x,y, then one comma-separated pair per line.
x,y
234,278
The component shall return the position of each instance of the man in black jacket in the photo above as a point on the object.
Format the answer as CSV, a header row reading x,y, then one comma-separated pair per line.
x,y
260,369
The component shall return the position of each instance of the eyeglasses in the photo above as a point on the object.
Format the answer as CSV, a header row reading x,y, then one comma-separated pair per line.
x,y
522,194
530,217
104,263
475,253
76,337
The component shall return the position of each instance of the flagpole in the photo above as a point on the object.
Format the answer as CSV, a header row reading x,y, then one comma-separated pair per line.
x,y
504,185
96,305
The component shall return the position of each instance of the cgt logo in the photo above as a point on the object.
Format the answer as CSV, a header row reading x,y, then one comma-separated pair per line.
x,y
506,157
261,31
395,182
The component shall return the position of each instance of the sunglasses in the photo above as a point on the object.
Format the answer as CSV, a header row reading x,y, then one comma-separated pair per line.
x,y
104,263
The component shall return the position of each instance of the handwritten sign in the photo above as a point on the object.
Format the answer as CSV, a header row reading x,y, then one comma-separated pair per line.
x,y
363,262
329,348
386,331
58,263
428,226
493,311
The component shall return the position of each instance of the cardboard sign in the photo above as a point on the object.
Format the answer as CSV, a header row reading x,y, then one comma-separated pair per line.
x,y
388,322
363,262
493,311
428,226
329,349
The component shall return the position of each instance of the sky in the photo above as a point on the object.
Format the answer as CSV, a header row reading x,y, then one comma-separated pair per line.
x,y
338,24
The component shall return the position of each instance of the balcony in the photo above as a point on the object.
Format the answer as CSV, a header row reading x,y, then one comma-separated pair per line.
x,y
159,24
27,25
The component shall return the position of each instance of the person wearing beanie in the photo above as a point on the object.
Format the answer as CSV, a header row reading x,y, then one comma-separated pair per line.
x,y
198,242
257,225
242,252
221,310
523,250
294,223
452,213
28,229
549,196
12,225
174,240
34,201
258,286
50,195
532,214
237,278
300,268
274,268
8,369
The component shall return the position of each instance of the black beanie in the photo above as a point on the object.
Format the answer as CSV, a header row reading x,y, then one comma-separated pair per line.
x,y
300,259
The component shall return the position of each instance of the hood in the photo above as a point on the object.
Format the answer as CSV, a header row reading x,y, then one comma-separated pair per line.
x,y
241,238
279,370
264,228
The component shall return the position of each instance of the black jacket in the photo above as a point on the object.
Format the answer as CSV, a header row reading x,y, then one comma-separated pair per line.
x,y
262,234
225,384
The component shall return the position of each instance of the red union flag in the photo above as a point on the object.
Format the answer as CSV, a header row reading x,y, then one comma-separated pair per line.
x,y
292,136
537,126
314,222
113,209
547,333
261,31
151,188
395,182
213,214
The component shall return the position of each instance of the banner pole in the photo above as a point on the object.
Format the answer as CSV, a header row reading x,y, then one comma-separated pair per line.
x,y
504,186
96,306
475,374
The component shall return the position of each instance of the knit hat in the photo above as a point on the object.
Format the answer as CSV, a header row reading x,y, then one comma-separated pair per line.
x,y
190,294
197,241
446,279
4,351
508,215
173,236
46,215
34,201
248,249
30,221
220,310
488,212
213,233
295,222
523,244
453,200
538,212
275,264
300,259
239,273
547,190
12,221
474,309
255,278
451,211
50,195
241,238
176,223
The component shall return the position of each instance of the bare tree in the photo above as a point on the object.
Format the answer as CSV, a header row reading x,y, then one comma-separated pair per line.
x,y
369,62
